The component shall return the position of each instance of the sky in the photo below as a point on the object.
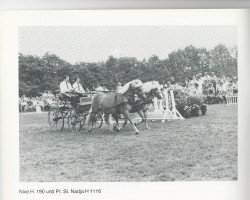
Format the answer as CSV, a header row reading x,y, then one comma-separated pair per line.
x,y
96,43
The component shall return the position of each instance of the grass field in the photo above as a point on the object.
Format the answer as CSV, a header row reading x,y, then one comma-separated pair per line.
x,y
203,148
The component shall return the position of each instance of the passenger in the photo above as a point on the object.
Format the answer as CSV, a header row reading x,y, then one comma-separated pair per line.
x,y
77,87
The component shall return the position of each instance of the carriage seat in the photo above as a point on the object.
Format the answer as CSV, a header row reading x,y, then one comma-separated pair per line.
x,y
85,100
73,98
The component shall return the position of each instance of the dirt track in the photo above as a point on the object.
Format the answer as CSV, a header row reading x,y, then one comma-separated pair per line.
x,y
203,148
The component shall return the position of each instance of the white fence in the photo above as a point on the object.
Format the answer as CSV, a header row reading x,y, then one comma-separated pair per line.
x,y
165,109
232,99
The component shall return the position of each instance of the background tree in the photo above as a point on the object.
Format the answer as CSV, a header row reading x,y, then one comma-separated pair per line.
x,y
39,74
222,61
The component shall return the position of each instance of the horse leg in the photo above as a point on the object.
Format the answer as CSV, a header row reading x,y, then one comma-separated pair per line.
x,y
89,119
111,126
124,124
126,115
141,114
116,117
146,117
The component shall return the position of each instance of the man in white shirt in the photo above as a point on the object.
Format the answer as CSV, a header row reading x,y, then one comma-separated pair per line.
x,y
194,90
119,87
225,86
200,83
66,89
65,86
77,87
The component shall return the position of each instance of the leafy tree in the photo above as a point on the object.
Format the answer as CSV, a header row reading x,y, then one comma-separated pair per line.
x,y
222,62
39,74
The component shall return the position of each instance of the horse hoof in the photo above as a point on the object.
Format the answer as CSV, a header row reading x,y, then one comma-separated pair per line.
x,y
89,130
137,133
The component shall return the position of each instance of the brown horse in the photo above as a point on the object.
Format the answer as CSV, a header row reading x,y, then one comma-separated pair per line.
x,y
150,89
114,104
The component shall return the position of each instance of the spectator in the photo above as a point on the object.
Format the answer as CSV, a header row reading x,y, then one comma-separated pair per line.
x,y
206,76
24,103
194,90
186,82
119,86
172,80
213,77
192,81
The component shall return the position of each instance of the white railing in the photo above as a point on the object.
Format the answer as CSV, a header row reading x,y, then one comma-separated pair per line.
x,y
232,99
165,109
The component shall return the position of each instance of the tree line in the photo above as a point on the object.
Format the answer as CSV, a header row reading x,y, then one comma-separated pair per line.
x,y
39,74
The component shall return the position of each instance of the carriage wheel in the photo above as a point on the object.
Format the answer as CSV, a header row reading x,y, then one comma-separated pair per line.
x,y
97,121
55,118
75,123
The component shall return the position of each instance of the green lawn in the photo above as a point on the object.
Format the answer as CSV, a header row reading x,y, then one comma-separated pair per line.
x,y
194,149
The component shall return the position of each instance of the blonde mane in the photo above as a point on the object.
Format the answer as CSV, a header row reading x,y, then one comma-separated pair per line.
x,y
135,83
148,86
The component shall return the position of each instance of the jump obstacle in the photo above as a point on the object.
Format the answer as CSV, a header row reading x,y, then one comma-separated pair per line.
x,y
164,109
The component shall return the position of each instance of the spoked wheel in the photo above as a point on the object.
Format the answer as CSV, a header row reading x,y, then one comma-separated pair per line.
x,y
97,121
56,120
75,123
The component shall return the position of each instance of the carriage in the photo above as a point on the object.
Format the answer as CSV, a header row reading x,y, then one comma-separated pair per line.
x,y
72,111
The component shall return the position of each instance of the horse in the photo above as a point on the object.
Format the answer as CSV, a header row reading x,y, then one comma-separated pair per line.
x,y
150,89
113,103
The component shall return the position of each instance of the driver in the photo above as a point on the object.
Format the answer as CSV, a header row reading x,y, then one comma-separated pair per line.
x,y
66,88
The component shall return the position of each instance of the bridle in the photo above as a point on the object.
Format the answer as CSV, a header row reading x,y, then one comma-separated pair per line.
x,y
141,93
156,93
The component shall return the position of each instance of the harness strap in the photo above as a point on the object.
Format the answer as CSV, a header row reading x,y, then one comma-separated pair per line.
x,y
115,102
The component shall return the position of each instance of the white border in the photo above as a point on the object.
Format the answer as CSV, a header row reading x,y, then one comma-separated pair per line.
x,y
163,190
121,4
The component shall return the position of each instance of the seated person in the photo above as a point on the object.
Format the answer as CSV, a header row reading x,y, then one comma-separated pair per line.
x,y
79,91
77,87
66,88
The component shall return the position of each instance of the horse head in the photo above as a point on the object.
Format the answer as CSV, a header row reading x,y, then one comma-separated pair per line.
x,y
153,89
139,92
136,87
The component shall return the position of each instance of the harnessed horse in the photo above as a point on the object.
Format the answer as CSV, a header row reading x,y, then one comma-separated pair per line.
x,y
150,89
114,104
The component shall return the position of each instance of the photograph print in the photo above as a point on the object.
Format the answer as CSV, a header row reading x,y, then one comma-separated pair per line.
x,y
128,103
